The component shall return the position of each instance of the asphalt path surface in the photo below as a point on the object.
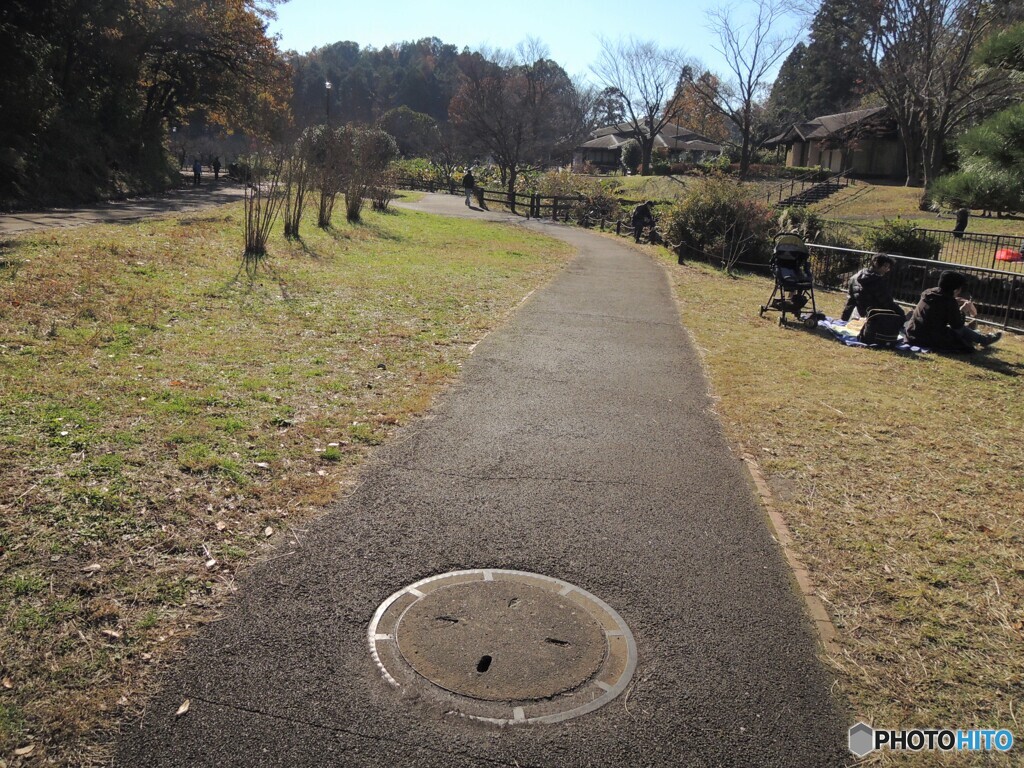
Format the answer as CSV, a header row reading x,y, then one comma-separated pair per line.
x,y
579,442
181,200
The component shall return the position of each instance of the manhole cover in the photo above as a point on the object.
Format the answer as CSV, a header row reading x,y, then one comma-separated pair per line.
x,y
503,646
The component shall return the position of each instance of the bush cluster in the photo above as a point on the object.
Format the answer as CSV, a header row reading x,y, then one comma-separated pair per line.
x,y
721,219
901,238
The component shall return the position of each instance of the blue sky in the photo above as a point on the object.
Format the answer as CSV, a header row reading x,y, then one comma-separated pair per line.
x,y
571,30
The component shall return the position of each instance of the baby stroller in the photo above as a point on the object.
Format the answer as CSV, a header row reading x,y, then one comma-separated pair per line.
x,y
794,286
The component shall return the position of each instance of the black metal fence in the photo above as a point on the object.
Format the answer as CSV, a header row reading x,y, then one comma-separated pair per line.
x,y
998,294
1002,252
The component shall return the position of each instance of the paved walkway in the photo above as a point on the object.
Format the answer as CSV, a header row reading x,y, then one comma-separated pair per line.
x,y
175,201
579,443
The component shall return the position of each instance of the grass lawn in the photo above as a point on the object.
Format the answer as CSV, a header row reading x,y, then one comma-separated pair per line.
x,y
869,203
164,423
902,480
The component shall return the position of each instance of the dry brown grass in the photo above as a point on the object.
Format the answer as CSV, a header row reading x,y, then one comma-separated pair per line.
x,y
902,479
164,423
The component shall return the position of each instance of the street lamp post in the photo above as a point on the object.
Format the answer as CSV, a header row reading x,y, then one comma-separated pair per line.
x,y
327,99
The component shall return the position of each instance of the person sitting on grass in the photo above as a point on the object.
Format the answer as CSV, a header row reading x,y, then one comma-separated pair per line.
x,y
937,322
869,289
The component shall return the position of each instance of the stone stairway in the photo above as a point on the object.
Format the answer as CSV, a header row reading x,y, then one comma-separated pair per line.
x,y
812,195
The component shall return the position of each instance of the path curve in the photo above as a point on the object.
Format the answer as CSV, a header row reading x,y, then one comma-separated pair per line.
x,y
579,442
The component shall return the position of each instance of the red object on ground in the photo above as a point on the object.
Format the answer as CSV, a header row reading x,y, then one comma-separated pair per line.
x,y
1008,254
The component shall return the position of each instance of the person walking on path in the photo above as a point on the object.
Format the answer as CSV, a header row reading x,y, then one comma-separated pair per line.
x,y
468,182
216,168
197,172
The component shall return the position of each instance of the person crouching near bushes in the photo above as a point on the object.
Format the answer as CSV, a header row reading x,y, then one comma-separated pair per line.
x,y
870,290
937,322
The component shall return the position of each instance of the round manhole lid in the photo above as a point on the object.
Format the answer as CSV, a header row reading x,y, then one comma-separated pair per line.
x,y
503,646
501,640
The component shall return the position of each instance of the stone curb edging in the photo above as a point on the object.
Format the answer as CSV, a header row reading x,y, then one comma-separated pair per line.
x,y
827,632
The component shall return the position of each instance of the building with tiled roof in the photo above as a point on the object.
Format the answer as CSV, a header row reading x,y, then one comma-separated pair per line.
x,y
674,142
864,142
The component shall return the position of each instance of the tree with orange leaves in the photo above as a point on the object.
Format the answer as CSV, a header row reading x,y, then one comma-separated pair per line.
x,y
693,112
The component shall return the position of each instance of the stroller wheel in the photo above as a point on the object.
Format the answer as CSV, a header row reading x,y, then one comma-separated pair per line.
x,y
811,322
763,310
782,321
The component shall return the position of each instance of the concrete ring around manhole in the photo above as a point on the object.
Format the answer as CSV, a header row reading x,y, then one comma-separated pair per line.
x,y
504,647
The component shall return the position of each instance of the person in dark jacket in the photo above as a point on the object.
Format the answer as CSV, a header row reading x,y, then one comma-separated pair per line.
x,y
468,182
642,216
870,290
938,323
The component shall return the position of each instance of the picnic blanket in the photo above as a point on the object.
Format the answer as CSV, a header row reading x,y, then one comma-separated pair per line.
x,y
846,332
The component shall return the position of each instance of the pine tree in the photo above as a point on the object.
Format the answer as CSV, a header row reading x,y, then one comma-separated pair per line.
x,y
991,174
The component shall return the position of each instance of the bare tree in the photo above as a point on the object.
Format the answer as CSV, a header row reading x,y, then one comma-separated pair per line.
x,y
449,154
261,204
751,49
644,77
298,173
921,60
517,107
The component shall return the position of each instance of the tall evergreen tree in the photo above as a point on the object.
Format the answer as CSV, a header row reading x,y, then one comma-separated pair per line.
x,y
827,75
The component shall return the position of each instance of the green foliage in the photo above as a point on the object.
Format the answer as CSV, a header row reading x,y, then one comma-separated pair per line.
x,y
421,169
991,175
720,218
421,75
1005,49
718,164
827,74
982,185
89,89
901,238
631,155
415,133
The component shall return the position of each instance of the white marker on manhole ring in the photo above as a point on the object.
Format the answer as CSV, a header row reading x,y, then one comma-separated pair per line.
x,y
504,647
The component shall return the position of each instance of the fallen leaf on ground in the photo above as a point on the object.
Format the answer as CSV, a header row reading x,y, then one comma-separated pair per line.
x,y
22,751
8,683
111,633
183,708
268,531
210,563
262,465
92,568
221,525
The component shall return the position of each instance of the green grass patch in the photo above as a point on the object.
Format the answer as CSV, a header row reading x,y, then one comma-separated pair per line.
x,y
869,203
160,411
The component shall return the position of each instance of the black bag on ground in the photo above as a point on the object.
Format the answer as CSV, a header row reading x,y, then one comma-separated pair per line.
x,y
881,328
